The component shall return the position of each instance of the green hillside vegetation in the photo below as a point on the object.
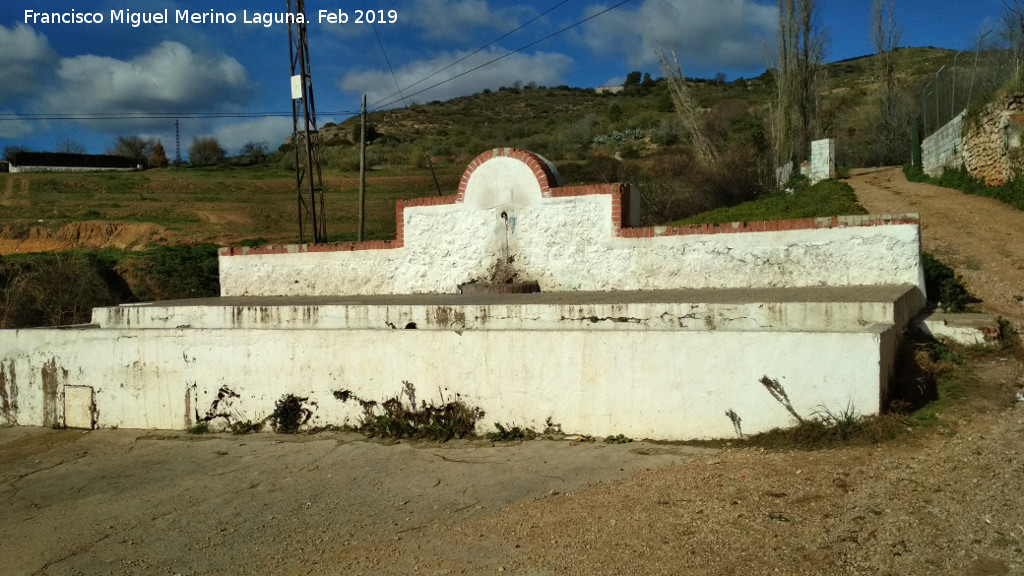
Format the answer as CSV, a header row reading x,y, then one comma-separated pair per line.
x,y
569,124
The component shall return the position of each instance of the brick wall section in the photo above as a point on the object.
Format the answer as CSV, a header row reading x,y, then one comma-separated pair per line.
x,y
770,225
540,168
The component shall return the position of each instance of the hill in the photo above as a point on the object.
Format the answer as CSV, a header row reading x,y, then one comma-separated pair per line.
x,y
564,123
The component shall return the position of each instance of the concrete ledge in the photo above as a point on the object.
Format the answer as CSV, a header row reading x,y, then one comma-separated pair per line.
x,y
810,309
964,329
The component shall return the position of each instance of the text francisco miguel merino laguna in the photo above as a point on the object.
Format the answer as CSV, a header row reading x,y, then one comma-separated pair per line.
x,y
266,19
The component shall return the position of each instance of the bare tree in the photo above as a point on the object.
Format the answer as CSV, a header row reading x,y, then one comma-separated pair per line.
x,y
69,146
137,148
255,152
801,51
896,110
686,108
1013,32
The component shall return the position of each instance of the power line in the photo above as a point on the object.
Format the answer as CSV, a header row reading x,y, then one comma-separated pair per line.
x,y
9,117
507,54
474,52
386,59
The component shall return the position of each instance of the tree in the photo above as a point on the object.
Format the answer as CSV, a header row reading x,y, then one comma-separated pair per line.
x,y
69,146
801,51
11,151
632,79
136,148
895,108
159,157
255,152
1013,32
205,152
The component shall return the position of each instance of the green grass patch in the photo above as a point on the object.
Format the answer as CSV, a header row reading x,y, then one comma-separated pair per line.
x,y
826,198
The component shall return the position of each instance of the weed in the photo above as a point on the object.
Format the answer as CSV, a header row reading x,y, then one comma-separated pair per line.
x,y
779,393
201,428
828,429
552,429
942,353
618,439
246,427
439,423
736,422
512,432
289,414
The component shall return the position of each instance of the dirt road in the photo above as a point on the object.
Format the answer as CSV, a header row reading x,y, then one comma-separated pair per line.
x,y
981,238
944,499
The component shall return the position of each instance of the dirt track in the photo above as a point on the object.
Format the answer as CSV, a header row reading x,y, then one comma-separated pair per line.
x,y
941,500
981,238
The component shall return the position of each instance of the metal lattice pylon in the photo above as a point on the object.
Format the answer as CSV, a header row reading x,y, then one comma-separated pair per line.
x,y
305,135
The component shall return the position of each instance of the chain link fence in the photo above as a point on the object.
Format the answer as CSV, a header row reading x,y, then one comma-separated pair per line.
x,y
973,74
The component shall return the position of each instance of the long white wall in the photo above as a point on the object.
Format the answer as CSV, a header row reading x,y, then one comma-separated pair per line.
x,y
657,384
570,244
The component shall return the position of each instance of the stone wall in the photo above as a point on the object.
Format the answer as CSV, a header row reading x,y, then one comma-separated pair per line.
x,y
944,148
992,141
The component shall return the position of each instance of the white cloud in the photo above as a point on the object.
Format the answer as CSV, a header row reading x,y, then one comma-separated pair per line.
x,y
704,33
451,20
541,67
13,128
27,57
273,131
168,78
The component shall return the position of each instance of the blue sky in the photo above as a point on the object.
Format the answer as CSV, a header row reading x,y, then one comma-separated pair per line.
x,y
240,71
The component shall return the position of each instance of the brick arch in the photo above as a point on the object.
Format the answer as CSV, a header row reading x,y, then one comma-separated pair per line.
x,y
546,176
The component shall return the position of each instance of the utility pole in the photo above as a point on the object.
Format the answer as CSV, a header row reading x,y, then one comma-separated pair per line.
x,y
362,169
177,143
308,179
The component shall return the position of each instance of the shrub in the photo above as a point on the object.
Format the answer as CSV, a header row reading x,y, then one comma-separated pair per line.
x,y
171,272
945,290
56,289
289,414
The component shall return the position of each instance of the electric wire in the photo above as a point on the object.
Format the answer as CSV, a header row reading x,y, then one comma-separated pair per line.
x,y
9,117
474,52
507,54
386,59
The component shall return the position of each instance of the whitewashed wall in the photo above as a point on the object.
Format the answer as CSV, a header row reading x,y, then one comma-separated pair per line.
x,y
637,383
571,244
